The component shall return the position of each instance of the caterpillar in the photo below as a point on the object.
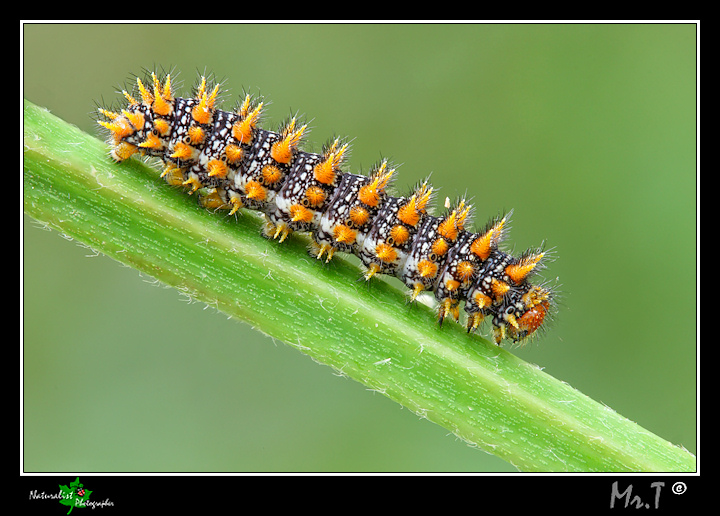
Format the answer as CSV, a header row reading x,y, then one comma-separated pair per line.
x,y
233,164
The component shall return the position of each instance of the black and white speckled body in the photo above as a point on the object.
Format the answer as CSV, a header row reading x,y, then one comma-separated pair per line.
x,y
234,164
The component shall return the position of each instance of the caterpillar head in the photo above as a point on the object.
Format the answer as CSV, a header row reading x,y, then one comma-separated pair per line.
x,y
522,313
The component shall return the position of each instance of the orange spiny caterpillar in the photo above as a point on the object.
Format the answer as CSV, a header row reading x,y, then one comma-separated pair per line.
x,y
233,164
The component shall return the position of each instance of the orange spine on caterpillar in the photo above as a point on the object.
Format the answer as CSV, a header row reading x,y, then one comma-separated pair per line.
x,y
234,164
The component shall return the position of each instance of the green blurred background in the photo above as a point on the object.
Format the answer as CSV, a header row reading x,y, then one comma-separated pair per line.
x,y
587,131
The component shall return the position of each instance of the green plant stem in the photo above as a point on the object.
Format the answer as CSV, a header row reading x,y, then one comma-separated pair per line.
x,y
482,393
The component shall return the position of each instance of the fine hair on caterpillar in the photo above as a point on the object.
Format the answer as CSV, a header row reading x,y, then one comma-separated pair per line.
x,y
233,164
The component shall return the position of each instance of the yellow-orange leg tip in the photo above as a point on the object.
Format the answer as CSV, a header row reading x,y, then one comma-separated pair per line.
x,y
281,232
449,307
441,315
498,334
455,312
173,175
474,321
213,201
373,269
318,250
236,204
417,290
322,250
268,230
193,184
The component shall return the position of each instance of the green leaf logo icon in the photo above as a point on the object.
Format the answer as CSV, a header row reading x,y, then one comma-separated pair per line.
x,y
74,495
